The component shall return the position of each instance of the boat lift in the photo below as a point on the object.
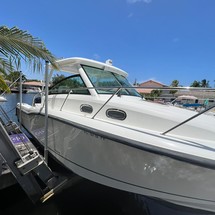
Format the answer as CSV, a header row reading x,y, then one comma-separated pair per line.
x,y
29,168
26,164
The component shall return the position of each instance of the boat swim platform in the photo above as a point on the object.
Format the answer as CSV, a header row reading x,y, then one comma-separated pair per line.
x,y
21,162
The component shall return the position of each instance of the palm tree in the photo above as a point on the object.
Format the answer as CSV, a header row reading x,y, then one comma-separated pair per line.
x,y
18,46
204,83
174,83
196,84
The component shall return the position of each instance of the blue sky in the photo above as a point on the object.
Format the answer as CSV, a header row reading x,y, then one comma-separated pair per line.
x,y
161,40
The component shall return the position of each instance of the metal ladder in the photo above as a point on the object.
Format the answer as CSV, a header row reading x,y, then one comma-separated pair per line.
x,y
25,163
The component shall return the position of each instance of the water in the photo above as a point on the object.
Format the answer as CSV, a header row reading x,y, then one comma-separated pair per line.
x,y
12,100
85,197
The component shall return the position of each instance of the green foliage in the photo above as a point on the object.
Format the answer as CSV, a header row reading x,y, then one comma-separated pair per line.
x,y
196,84
152,95
56,78
17,45
174,83
156,93
203,83
13,76
3,85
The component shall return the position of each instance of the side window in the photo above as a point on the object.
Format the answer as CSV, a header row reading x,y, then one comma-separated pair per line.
x,y
73,85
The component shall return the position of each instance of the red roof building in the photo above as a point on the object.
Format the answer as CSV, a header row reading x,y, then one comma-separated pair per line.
x,y
149,86
28,84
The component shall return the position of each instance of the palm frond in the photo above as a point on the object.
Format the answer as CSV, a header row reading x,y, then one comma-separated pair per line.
x,y
3,85
19,44
6,66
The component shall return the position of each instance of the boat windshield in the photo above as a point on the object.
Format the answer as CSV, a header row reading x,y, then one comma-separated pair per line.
x,y
107,82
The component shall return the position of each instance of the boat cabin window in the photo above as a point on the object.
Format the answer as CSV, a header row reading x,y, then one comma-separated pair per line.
x,y
72,84
107,82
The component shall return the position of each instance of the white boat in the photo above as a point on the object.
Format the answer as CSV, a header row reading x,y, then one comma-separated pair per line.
x,y
3,99
100,128
188,101
33,90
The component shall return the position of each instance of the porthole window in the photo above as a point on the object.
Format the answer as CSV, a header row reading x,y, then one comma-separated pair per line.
x,y
116,114
86,108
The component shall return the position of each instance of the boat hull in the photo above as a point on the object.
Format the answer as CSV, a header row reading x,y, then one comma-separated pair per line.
x,y
100,158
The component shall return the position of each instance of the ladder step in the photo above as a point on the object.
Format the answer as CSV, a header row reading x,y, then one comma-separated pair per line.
x,y
30,163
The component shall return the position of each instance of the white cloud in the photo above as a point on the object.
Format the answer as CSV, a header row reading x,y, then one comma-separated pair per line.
x,y
135,1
